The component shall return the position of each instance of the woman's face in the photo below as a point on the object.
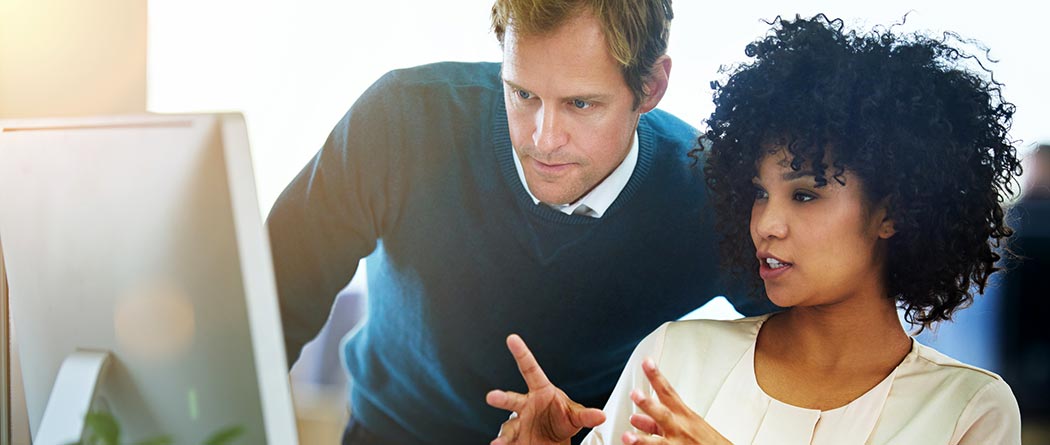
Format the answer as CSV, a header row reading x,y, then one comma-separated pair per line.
x,y
815,245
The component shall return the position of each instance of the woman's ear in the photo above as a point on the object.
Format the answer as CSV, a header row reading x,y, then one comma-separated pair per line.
x,y
886,226
886,229
881,220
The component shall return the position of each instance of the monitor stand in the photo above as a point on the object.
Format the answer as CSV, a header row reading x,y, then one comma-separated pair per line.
x,y
71,398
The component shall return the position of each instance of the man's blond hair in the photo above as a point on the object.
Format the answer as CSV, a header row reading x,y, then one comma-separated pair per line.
x,y
636,30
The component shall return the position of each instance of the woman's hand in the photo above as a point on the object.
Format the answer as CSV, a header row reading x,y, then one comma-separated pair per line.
x,y
545,415
666,419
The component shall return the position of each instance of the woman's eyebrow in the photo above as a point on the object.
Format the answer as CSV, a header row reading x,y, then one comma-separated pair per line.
x,y
793,175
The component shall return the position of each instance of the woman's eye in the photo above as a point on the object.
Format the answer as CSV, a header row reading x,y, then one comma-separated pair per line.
x,y
523,94
581,104
804,197
761,194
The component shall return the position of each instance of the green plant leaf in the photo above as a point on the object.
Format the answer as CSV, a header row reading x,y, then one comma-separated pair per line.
x,y
225,436
159,440
101,428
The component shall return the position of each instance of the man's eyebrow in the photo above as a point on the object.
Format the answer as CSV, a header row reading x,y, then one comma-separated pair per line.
x,y
596,97
587,97
514,85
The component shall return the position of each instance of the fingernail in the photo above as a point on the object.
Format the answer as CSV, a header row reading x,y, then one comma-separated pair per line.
x,y
637,396
648,364
630,438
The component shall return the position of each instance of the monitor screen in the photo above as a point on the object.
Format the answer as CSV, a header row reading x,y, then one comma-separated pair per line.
x,y
141,236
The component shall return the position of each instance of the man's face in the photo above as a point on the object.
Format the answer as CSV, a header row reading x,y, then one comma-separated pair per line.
x,y
570,112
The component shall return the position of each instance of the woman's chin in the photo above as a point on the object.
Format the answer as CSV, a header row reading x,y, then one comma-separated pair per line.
x,y
779,299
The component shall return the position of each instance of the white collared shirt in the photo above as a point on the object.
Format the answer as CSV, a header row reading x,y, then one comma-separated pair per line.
x,y
929,398
600,198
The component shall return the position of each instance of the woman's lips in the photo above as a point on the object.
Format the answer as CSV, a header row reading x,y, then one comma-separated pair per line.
x,y
769,273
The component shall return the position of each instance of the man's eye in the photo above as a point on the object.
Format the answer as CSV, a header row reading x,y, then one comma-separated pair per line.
x,y
581,104
523,94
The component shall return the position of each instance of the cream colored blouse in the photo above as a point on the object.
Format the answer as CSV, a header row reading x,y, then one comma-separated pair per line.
x,y
929,398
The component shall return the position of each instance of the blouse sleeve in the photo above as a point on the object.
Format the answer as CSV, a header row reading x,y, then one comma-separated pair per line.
x,y
619,408
992,416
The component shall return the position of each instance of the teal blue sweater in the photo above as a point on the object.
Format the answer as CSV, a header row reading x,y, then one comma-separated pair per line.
x,y
419,177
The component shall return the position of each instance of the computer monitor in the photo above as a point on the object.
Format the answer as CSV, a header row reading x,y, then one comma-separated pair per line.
x,y
137,263
5,362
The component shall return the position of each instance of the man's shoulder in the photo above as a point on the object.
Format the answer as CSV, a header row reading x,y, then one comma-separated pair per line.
x,y
436,95
447,74
669,134
667,125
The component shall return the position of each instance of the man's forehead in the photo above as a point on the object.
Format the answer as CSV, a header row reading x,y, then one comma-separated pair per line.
x,y
552,76
580,40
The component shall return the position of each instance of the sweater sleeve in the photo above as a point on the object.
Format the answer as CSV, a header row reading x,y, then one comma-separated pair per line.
x,y
992,416
619,408
332,214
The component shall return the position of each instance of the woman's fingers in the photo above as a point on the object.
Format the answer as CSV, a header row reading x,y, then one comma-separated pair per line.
x,y
583,417
508,433
506,400
660,384
666,419
652,406
527,365
630,438
645,423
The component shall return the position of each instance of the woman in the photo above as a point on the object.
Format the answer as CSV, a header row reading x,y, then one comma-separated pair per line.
x,y
851,174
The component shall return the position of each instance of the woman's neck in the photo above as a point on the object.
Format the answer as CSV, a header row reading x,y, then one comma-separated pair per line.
x,y
826,357
858,332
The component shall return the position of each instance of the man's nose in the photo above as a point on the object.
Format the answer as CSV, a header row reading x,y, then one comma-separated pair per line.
x,y
550,131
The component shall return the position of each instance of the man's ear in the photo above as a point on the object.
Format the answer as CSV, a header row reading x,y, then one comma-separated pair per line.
x,y
656,84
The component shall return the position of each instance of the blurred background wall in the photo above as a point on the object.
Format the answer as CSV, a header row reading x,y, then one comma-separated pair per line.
x,y
72,57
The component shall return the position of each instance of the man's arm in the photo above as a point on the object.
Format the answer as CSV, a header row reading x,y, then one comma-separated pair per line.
x,y
331,216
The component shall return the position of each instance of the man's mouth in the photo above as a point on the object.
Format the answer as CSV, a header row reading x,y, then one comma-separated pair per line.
x,y
550,168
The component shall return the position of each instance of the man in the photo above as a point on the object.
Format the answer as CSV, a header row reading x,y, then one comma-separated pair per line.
x,y
543,196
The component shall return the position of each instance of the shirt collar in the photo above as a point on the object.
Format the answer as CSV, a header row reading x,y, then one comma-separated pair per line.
x,y
600,198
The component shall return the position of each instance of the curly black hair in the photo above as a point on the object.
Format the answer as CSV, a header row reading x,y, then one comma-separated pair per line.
x,y
922,124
